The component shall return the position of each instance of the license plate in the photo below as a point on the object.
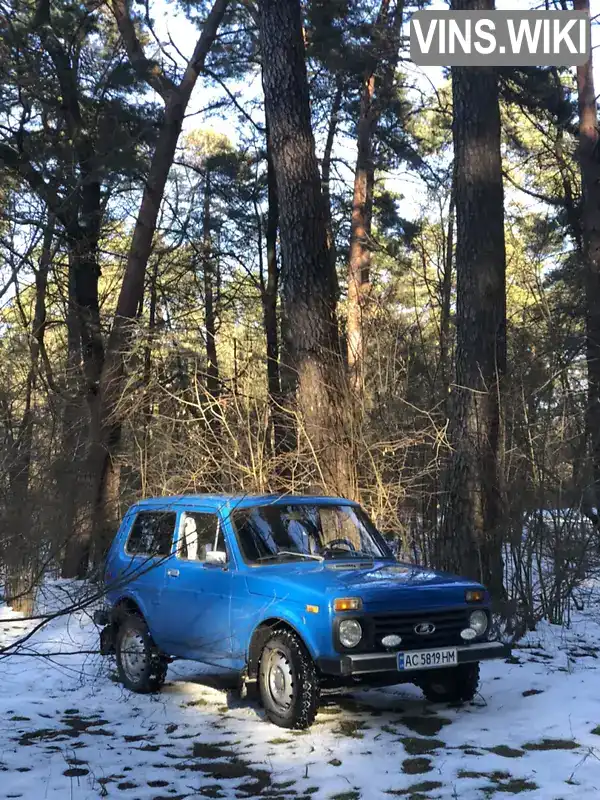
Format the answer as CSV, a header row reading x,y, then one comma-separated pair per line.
x,y
428,659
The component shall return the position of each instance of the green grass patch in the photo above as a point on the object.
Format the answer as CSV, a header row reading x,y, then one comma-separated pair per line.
x,y
212,750
494,776
516,786
551,744
425,726
76,772
505,751
423,788
416,766
330,711
419,747
351,728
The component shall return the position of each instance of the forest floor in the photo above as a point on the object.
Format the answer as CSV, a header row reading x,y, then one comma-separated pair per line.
x,y
68,730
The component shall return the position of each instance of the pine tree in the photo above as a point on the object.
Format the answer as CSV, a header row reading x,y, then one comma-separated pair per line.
x,y
473,523
589,160
309,307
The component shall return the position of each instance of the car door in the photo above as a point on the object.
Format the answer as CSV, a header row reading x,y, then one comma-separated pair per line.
x,y
147,553
195,600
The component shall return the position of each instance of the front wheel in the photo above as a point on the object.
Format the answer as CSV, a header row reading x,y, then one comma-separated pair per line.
x,y
451,685
140,666
288,681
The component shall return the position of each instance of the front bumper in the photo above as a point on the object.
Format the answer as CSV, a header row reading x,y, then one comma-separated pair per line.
x,y
366,663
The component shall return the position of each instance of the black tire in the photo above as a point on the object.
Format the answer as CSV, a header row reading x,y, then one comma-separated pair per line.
x,y
288,681
140,665
453,685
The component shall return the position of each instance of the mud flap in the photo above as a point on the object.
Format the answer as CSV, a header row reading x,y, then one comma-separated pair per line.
x,y
107,640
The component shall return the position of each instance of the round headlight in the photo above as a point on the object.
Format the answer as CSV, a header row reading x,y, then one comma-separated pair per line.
x,y
479,622
350,632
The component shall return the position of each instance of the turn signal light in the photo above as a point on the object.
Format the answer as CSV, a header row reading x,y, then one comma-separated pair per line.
x,y
475,596
312,609
347,604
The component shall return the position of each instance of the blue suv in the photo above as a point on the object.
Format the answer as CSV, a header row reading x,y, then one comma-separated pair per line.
x,y
295,594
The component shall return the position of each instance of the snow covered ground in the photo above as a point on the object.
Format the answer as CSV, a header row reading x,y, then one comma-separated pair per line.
x,y
67,730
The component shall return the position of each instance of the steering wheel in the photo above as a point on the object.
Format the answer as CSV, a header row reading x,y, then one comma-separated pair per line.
x,y
340,544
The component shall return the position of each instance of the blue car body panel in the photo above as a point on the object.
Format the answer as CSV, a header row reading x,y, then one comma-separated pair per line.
x,y
209,613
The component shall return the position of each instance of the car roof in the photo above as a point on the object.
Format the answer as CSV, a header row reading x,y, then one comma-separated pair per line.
x,y
231,501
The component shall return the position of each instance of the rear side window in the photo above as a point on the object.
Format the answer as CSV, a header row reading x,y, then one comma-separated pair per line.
x,y
152,533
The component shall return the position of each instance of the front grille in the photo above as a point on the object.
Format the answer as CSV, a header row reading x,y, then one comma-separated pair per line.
x,y
448,625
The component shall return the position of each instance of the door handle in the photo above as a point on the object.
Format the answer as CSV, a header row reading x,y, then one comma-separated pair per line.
x,y
173,573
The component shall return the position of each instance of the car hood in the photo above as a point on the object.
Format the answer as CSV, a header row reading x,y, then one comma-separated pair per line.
x,y
382,586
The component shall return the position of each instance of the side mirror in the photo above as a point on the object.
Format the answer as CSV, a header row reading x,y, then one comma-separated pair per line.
x,y
216,557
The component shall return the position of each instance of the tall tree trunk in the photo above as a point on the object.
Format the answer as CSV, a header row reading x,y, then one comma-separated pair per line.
x,y
74,429
153,302
84,325
36,343
84,262
212,365
360,244
21,565
445,339
270,293
106,425
334,119
589,159
385,45
308,290
474,518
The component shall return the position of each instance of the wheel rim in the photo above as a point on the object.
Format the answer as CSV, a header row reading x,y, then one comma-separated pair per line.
x,y
133,655
280,680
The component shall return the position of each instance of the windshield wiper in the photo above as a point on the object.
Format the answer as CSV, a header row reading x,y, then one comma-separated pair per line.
x,y
291,553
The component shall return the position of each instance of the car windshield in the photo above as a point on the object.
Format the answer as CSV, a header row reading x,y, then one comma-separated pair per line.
x,y
307,532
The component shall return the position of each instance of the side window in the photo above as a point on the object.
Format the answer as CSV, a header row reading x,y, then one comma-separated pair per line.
x,y
152,533
199,534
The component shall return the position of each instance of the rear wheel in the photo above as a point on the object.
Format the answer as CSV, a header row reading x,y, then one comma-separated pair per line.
x,y
288,681
452,685
140,665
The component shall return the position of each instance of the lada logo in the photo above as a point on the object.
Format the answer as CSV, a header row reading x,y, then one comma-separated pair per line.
x,y
424,628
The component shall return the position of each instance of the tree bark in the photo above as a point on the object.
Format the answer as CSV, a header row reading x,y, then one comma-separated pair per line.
x,y
84,208
445,339
473,523
308,290
589,160
385,45
212,365
326,172
270,294
153,302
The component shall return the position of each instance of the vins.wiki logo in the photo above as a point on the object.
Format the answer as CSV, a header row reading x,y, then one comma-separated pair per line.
x,y
500,38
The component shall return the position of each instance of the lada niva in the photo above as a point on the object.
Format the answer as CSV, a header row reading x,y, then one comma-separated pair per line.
x,y
295,594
